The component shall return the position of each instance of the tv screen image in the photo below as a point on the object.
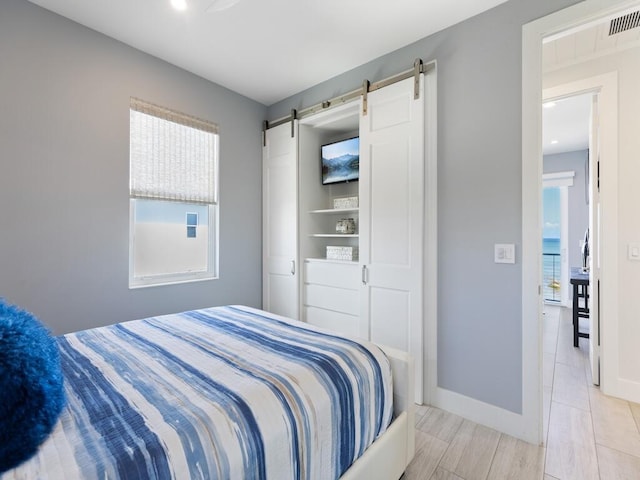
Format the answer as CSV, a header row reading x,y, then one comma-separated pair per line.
x,y
341,161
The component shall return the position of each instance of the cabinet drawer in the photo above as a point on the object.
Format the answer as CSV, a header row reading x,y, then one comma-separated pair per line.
x,y
341,323
331,298
339,275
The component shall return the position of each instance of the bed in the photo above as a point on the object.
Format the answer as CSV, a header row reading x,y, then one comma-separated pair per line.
x,y
227,392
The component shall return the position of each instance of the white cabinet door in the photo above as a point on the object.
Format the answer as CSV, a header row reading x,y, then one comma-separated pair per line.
x,y
280,222
391,219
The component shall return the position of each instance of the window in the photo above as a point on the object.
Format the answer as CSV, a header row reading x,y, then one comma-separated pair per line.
x,y
555,234
551,244
173,181
192,224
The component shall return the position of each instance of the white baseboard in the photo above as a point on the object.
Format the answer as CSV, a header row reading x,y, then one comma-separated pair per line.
x,y
625,389
485,414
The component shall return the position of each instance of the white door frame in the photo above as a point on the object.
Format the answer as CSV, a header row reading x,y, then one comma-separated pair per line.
x,y
430,235
606,86
532,36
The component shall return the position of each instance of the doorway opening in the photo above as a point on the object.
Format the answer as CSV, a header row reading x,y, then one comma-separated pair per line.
x,y
600,74
565,192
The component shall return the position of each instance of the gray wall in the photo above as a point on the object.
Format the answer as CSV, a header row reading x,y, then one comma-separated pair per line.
x,y
578,207
64,153
479,191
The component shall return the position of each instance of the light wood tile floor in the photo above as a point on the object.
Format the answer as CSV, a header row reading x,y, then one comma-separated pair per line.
x,y
587,434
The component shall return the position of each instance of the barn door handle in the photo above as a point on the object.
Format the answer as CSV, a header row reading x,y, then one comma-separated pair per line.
x,y
293,267
364,274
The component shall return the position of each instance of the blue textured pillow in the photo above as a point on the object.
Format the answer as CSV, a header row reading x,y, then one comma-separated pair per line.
x,y
31,383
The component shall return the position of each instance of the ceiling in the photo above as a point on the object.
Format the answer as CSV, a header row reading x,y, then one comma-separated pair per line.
x,y
268,50
567,123
586,43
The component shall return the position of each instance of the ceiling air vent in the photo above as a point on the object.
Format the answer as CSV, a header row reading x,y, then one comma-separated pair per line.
x,y
624,23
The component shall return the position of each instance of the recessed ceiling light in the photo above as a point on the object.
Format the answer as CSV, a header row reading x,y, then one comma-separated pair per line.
x,y
553,142
179,4
219,5
549,104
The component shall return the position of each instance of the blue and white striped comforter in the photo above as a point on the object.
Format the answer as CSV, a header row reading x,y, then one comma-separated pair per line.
x,y
220,393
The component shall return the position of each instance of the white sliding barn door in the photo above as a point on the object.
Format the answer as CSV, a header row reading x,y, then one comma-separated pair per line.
x,y
391,219
280,222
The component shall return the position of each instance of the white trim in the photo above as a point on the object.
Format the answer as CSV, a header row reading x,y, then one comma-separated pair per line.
x,y
480,412
532,36
531,233
594,56
558,179
589,24
430,332
157,281
625,388
564,240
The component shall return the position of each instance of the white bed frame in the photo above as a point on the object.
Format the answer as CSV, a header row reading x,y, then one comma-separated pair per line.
x,y
388,457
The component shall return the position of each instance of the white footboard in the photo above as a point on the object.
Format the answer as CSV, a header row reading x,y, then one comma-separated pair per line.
x,y
388,457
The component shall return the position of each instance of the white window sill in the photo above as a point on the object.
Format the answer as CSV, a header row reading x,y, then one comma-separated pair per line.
x,y
172,280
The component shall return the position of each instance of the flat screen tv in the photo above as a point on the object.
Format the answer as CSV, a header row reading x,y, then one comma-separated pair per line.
x,y
341,161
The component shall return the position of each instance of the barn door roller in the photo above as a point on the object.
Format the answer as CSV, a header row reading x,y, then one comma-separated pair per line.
x,y
294,116
417,70
365,93
265,127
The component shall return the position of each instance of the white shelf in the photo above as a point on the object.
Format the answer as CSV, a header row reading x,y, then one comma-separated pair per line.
x,y
334,235
336,210
326,260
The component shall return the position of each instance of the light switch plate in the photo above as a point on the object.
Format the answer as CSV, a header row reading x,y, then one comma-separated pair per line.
x,y
634,251
504,253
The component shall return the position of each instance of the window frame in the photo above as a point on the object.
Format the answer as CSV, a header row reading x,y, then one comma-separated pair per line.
x,y
212,202
176,278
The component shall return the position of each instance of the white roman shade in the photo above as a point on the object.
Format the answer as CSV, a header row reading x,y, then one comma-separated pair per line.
x,y
173,156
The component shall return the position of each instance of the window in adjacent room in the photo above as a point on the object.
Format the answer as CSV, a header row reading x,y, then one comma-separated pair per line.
x,y
173,177
192,224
